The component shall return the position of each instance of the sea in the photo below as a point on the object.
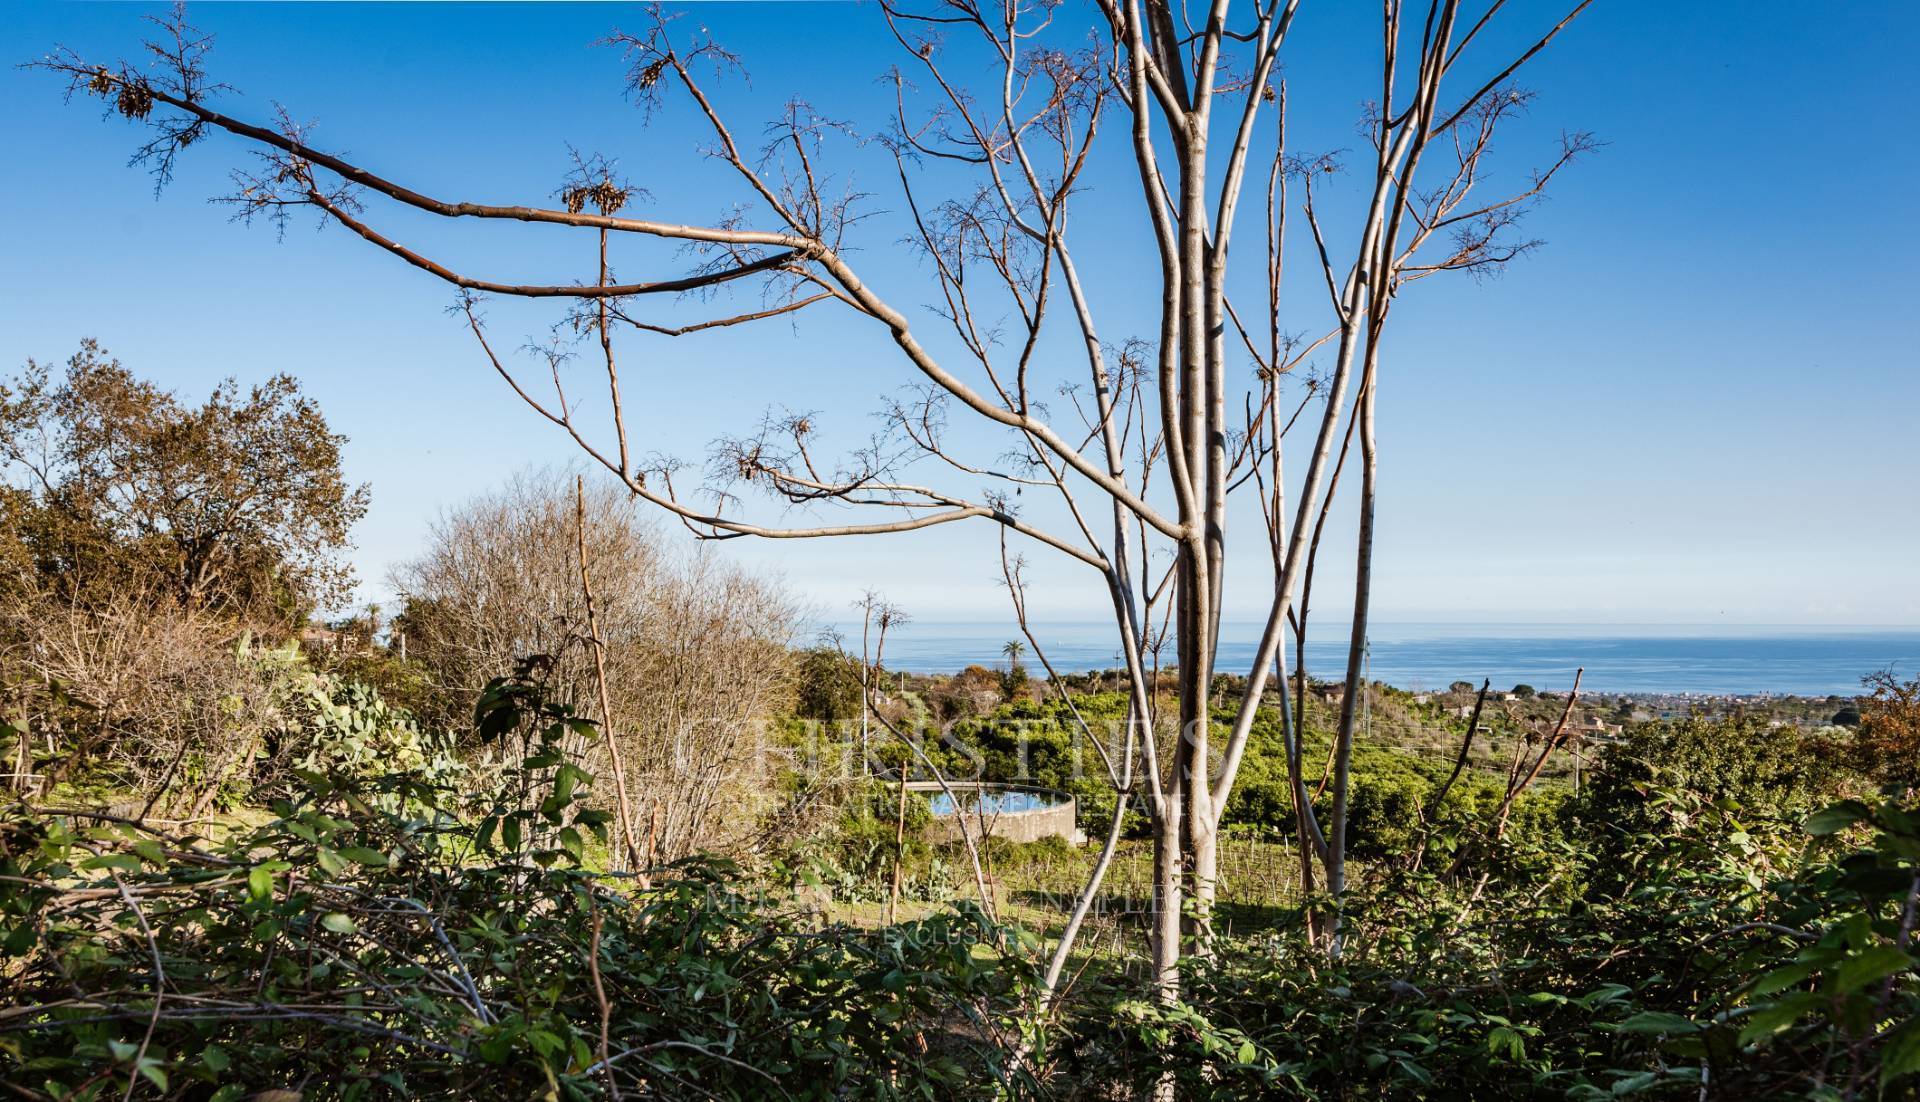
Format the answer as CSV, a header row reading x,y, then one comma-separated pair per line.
x,y
1695,659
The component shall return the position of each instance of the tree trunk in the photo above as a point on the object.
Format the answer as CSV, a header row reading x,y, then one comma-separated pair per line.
x,y
1356,649
899,846
1168,872
1203,837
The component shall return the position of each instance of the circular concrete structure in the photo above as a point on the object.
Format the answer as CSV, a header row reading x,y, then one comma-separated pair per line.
x,y
1016,812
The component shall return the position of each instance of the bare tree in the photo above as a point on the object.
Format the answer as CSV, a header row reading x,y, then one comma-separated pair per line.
x,y
711,673
693,653
1150,437
500,580
878,616
120,680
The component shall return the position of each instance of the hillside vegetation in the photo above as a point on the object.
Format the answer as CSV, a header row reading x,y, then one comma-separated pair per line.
x,y
386,863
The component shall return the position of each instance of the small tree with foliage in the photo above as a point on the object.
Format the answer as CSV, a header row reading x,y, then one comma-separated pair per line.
x,y
1889,734
237,504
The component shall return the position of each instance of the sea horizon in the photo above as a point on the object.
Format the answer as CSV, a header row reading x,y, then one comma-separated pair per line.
x,y
1618,657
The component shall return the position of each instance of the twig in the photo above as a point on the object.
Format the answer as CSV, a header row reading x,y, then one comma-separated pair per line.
x,y
159,985
600,995
599,646
1460,763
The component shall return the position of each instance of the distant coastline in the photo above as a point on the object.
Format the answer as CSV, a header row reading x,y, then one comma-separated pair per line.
x,y
1701,659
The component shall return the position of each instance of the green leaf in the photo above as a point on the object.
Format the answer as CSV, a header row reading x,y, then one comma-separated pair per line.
x,y
1869,966
360,855
1656,1021
1769,1020
1247,1052
331,863
1840,816
124,862
151,1068
338,923
1608,993
215,1058
18,940
1902,1053
1782,978
259,883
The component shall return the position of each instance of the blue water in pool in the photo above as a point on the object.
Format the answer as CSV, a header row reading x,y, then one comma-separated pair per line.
x,y
993,803
1663,658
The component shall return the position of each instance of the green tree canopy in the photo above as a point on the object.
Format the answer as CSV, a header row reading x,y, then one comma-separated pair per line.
x,y
238,503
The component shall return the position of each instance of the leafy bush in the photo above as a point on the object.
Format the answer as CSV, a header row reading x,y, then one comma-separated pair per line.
x,y
393,937
852,858
1768,772
827,685
1729,961
1889,736
1038,743
405,924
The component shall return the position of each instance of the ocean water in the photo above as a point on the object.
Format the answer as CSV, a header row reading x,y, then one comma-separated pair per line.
x,y
1624,658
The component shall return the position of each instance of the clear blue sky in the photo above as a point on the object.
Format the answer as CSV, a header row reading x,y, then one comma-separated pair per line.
x,y
1695,404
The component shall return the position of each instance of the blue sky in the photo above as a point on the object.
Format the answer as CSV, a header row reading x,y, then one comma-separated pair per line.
x,y
1696,404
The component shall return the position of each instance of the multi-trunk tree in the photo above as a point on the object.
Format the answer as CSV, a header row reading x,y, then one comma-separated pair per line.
x,y
1141,436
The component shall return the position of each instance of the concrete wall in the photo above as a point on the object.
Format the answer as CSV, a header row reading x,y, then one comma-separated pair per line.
x,y
1016,826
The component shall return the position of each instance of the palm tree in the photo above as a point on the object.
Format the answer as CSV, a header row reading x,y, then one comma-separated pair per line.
x,y
1014,678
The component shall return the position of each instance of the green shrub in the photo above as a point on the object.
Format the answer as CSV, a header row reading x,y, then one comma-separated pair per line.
x,y
390,937
1728,961
1768,772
